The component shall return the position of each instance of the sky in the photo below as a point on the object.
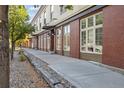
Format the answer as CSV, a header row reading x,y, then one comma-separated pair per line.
x,y
31,11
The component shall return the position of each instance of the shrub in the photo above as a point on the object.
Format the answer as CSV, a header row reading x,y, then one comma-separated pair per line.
x,y
22,57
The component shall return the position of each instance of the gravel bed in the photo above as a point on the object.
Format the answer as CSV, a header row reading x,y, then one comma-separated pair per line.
x,y
23,75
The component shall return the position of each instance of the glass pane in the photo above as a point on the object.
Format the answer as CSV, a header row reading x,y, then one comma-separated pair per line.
x,y
58,39
52,8
99,36
83,37
45,14
99,19
83,24
90,21
90,36
90,49
66,39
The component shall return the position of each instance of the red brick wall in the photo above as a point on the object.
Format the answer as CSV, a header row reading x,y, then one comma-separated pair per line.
x,y
75,39
113,39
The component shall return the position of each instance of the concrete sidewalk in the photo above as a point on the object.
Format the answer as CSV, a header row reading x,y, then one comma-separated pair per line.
x,y
80,73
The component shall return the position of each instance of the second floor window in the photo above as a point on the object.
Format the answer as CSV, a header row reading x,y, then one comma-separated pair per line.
x,y
66,38
51,12
62,9
45,17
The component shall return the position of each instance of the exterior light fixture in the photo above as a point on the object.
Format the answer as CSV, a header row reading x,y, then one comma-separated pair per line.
x,y
0,21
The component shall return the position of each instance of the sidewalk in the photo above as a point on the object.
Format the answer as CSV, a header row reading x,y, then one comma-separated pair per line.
x,y
80,72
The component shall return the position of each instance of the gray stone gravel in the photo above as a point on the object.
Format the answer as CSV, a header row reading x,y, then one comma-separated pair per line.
x,y
23,75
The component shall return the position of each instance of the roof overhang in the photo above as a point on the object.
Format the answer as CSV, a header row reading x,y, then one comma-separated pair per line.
x,y
48,27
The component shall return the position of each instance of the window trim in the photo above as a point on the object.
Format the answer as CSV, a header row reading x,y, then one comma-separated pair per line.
x,y
94,34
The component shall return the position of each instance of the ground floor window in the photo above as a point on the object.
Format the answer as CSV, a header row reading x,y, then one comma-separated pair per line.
x,y
39,42
58,39
45,47
66,38
48,42
91,33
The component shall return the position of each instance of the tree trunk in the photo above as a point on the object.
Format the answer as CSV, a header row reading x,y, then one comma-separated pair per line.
x,y
13,48
4,47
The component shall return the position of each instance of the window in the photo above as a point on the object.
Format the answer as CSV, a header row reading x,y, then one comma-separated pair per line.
x,y
99,19
98,36
51,12
66,39
36,27
45,17
91,34
48,42
45,47
42,38
40,24
83,37
83,24
58,39
62,9
90,21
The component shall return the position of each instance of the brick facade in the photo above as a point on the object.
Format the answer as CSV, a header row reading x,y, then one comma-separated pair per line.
x,y
113,49
113,20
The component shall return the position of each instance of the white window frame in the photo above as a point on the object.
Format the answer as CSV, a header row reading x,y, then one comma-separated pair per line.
x,y
94,34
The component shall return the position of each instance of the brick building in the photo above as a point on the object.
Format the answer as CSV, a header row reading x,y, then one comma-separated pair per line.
x,y
89,32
